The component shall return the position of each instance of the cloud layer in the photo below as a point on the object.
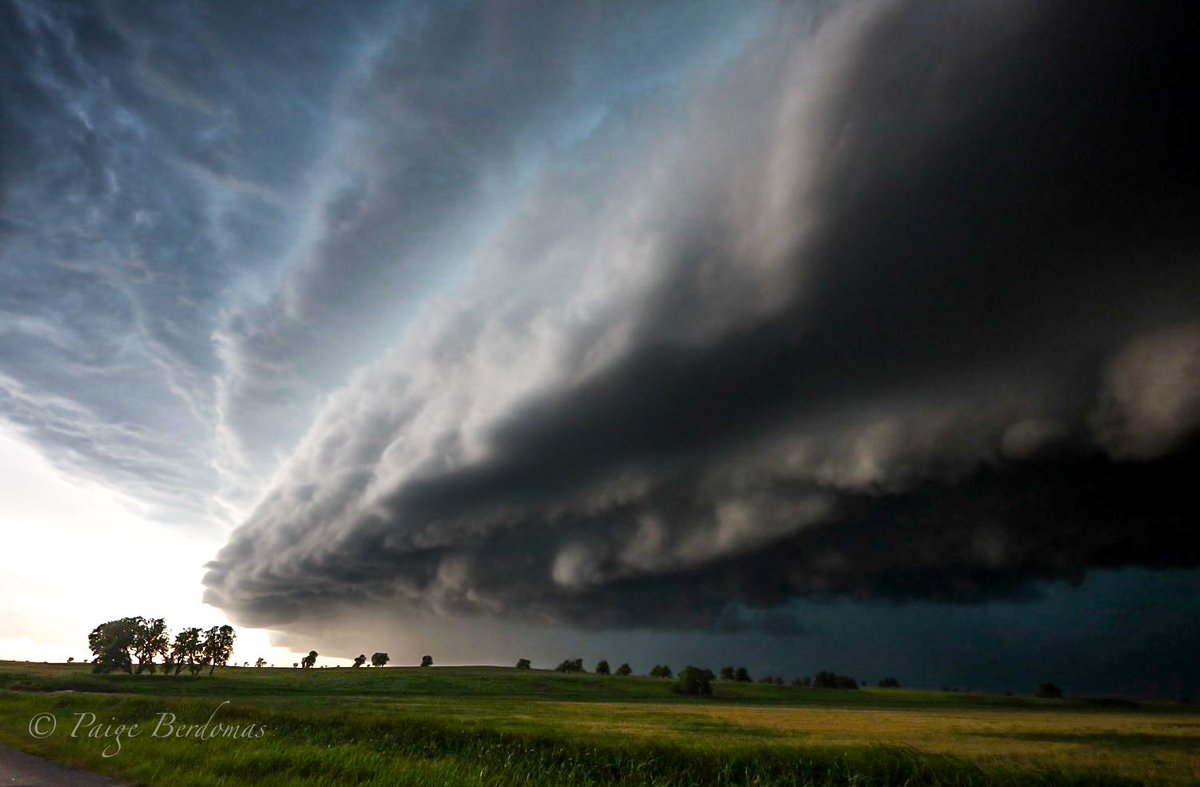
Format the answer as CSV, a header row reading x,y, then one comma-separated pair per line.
x,y
899,303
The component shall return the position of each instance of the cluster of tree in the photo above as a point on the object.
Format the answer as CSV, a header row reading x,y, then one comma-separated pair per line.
x,y
309,661
694,680
602,667
570,665
660,671
740,674
889,683
829,680
116,644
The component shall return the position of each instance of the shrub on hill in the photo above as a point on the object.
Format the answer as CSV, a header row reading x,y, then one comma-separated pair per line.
x,y
830,680
694,680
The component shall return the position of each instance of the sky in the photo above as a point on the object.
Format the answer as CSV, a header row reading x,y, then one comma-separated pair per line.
x,y
860,336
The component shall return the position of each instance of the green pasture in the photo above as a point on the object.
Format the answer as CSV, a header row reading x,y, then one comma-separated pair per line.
x,y
487,725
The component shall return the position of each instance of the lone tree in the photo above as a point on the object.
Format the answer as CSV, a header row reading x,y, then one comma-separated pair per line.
x,y
427,661
624,670
524,664
741,675
602,668
570,665
218,647
112,643
70,659
660,671
379,659
361,660
309,661
260,662
694,680
727,673
1048,691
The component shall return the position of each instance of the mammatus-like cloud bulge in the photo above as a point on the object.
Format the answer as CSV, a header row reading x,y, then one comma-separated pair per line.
x,y
906,307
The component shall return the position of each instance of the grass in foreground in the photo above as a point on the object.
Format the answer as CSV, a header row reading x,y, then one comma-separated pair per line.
x,y
500,726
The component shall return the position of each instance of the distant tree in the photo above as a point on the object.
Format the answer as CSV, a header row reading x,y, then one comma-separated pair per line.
x,y
829,680
766,679
70,659
889,683
524,664
741,675
260,662
727,673
797,683
186,651
218,646
309,661
602,668
149,641
427,661
660,671
295,664
1049,691
624,670
361,660
379,659
112,645
570,665
694,680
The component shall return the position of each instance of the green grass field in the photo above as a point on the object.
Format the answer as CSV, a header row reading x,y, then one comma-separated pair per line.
x,y
487,725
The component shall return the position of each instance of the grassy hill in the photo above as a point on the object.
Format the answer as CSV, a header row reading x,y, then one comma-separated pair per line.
x,y
489,725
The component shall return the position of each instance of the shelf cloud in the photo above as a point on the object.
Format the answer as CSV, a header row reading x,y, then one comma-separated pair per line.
x,y
896,301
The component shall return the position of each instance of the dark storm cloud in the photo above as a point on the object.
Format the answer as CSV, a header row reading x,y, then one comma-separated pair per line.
x,y
453,108
906,309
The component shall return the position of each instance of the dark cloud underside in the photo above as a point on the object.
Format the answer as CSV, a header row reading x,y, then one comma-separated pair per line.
x,y
962,358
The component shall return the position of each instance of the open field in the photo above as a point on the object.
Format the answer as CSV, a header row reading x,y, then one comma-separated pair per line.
x,y
499,726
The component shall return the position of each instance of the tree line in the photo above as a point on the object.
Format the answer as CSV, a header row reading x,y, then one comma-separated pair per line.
x,y
117,644
698,680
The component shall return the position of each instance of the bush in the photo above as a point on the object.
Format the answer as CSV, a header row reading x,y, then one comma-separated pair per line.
x,y
524,664
829,680
694,681
1048,691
